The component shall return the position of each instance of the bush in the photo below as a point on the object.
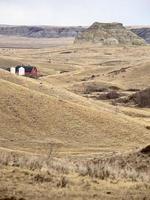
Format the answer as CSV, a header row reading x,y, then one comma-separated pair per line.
x,y
93,88
113,95
142,98
138,42
132,166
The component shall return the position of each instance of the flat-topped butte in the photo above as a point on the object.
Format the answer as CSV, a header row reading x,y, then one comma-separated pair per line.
x,y
109,34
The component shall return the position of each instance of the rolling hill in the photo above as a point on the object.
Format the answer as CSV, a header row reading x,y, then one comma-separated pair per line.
x,y
59,139
27,114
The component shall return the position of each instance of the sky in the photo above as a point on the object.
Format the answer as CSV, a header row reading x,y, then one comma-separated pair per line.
x,y
74,12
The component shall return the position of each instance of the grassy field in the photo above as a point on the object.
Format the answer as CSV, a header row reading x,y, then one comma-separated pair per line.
x,y
62,115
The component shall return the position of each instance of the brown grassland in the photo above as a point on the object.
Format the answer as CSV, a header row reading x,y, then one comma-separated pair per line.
x,y
77,131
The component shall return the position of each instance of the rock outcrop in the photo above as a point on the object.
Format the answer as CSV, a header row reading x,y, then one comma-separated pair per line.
x,y
108,34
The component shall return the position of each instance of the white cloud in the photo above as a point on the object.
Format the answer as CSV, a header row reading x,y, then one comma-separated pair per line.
x,y
73,12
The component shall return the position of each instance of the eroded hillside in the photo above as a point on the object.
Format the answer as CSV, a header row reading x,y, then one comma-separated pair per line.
x,y
108,34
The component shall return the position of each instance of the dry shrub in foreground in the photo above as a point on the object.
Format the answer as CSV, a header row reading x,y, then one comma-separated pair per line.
x,y
35,162
133,167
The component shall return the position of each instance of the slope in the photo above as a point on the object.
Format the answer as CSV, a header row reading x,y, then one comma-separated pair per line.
x,y
30,119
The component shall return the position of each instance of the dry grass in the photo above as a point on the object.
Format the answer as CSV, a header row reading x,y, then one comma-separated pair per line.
x,y
71,119
131,167
31,43
74,125
27,177
52,110
20,184
35,162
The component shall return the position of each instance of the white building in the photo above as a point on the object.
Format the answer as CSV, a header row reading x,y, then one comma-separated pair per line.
x,y
21,71
13,70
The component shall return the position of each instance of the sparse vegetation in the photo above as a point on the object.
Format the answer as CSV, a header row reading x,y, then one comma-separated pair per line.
x,y
131,167
35,162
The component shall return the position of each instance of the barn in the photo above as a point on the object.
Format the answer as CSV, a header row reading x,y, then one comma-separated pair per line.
x,y
30,71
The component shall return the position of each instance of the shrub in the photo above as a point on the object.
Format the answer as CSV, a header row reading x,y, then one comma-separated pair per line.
x,y
112,95
142,98
131,166
138,42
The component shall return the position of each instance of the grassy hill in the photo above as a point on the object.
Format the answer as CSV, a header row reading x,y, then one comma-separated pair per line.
x,y
30,116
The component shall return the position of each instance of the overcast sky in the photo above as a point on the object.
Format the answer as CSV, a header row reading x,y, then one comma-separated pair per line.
x,y
74,12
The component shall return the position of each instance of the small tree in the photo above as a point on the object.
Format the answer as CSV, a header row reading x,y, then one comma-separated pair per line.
x,y
52,150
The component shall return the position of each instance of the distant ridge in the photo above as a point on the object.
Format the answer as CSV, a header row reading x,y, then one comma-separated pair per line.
x,y
45,31
40,31
141,31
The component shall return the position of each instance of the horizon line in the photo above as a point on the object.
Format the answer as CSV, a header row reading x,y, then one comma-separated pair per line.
x,y
50,25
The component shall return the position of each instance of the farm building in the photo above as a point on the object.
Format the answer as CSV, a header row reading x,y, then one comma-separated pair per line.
x,y
28,70
23,70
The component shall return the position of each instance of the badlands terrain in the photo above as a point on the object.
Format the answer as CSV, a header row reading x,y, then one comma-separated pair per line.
x,y
59,32
79,130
